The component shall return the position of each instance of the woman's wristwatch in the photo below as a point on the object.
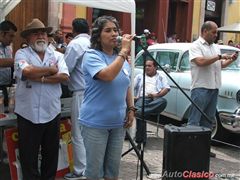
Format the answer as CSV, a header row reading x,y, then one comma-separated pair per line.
x,y
132,108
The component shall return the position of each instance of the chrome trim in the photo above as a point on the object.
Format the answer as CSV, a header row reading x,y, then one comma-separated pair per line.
x,y
231,121
220,95
175,87
226,96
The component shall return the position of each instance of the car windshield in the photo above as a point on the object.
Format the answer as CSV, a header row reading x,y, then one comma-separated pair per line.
x,y
165,58
236,64
169,59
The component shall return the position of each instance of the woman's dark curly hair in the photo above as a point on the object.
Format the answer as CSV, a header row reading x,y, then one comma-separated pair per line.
x,y
97,28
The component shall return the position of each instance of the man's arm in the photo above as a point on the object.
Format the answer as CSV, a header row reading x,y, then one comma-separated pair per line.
x,y
196,55
231,59
56,78
33,72
202,61
164,88
6,62
161,93
52,79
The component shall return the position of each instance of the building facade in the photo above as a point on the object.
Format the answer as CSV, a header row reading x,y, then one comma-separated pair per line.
x,y
163,17
223,12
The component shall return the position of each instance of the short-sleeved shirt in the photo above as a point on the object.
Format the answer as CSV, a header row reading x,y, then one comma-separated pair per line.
x,y
104,102
73,57
5,72
36,101
208,77
159,82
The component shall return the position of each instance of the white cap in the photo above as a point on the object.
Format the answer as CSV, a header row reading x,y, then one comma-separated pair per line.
x,y
146,31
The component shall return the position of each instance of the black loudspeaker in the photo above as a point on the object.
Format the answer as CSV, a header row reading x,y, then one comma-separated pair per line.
x,y
186,153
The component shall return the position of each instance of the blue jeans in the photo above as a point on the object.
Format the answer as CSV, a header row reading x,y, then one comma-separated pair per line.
x,y
79,154
151,105
103,151
206,99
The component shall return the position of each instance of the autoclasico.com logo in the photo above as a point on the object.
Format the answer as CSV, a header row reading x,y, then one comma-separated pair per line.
x,y
187,174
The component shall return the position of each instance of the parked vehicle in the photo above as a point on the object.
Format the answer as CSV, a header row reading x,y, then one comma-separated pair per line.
x,y
174,58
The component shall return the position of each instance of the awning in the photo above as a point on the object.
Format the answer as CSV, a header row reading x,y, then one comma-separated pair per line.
x,y
6,6
232,28
128,6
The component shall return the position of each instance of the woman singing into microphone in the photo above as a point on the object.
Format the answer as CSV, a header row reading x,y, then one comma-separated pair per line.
x,y
107,108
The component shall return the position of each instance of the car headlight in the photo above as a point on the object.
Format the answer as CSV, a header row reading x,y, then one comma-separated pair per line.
x,y
238,96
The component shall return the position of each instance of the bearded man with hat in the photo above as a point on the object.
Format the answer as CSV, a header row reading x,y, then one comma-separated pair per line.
x,y
39,71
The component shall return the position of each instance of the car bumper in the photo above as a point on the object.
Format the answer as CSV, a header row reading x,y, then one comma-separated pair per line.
x,y
231,121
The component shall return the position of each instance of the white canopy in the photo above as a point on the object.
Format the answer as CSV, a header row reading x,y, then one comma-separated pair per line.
x,y
115,5
232,28
127,6
6,6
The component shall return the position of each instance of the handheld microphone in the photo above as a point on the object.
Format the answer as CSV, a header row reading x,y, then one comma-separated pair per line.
x,y
135,38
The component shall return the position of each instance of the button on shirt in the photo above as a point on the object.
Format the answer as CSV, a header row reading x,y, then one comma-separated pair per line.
x,y
73,57
36,101
208,77
5,72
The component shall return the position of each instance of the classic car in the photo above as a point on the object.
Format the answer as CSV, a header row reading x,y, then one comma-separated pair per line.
x,y
174,59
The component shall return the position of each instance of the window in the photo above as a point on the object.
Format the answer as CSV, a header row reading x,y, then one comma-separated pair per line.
x,y
167,58
184,64
164,59
139,60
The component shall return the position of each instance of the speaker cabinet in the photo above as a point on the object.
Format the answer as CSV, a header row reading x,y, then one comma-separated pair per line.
x,y
186,152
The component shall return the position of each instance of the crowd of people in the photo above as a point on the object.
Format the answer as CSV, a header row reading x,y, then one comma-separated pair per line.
x,y
94,67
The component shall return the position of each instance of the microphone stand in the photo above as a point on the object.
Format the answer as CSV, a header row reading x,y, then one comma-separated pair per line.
x,y
143,122
142,127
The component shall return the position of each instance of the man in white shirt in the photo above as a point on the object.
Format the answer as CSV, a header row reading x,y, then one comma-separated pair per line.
x,y
156,86
206,64
39,71
73,57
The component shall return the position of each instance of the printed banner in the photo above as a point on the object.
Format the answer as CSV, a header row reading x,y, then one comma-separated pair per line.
x,y
65,151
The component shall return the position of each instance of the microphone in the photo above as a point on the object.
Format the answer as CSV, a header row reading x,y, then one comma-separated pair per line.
x,y
135,38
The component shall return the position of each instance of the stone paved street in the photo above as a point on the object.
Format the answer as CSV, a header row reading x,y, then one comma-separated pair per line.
x,y
226,163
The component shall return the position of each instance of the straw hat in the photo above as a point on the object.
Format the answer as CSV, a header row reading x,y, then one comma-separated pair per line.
x,y
36,24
